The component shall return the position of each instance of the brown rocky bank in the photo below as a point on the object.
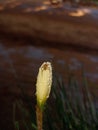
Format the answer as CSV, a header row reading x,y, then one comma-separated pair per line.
x,y
58,25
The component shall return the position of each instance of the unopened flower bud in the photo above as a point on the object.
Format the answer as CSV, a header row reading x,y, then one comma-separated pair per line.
x,y
44,82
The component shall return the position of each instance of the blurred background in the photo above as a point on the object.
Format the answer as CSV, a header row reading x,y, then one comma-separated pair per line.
x,y
33,31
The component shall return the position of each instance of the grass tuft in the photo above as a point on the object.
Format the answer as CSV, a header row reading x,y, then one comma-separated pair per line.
x,y
70,107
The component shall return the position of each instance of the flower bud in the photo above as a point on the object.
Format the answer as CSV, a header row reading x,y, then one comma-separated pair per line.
x,y
44,82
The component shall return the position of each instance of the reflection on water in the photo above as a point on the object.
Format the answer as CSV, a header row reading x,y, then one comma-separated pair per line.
x,y
21,62
92,76
30,6
37,53
75,64
93,58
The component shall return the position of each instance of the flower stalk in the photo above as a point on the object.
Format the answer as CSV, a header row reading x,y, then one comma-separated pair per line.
x,y
39,117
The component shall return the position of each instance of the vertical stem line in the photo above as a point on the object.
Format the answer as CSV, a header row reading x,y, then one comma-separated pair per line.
x,y
39,117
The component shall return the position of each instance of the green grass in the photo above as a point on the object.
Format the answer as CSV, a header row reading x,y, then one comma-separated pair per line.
x,y
70,107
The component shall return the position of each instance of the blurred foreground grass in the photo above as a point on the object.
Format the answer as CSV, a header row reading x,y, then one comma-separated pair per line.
x,y
70,107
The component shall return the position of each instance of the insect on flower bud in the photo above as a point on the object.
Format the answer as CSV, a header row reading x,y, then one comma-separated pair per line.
x,y
44,82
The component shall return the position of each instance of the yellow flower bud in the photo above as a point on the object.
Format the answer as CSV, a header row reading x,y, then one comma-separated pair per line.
x,y
44,82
